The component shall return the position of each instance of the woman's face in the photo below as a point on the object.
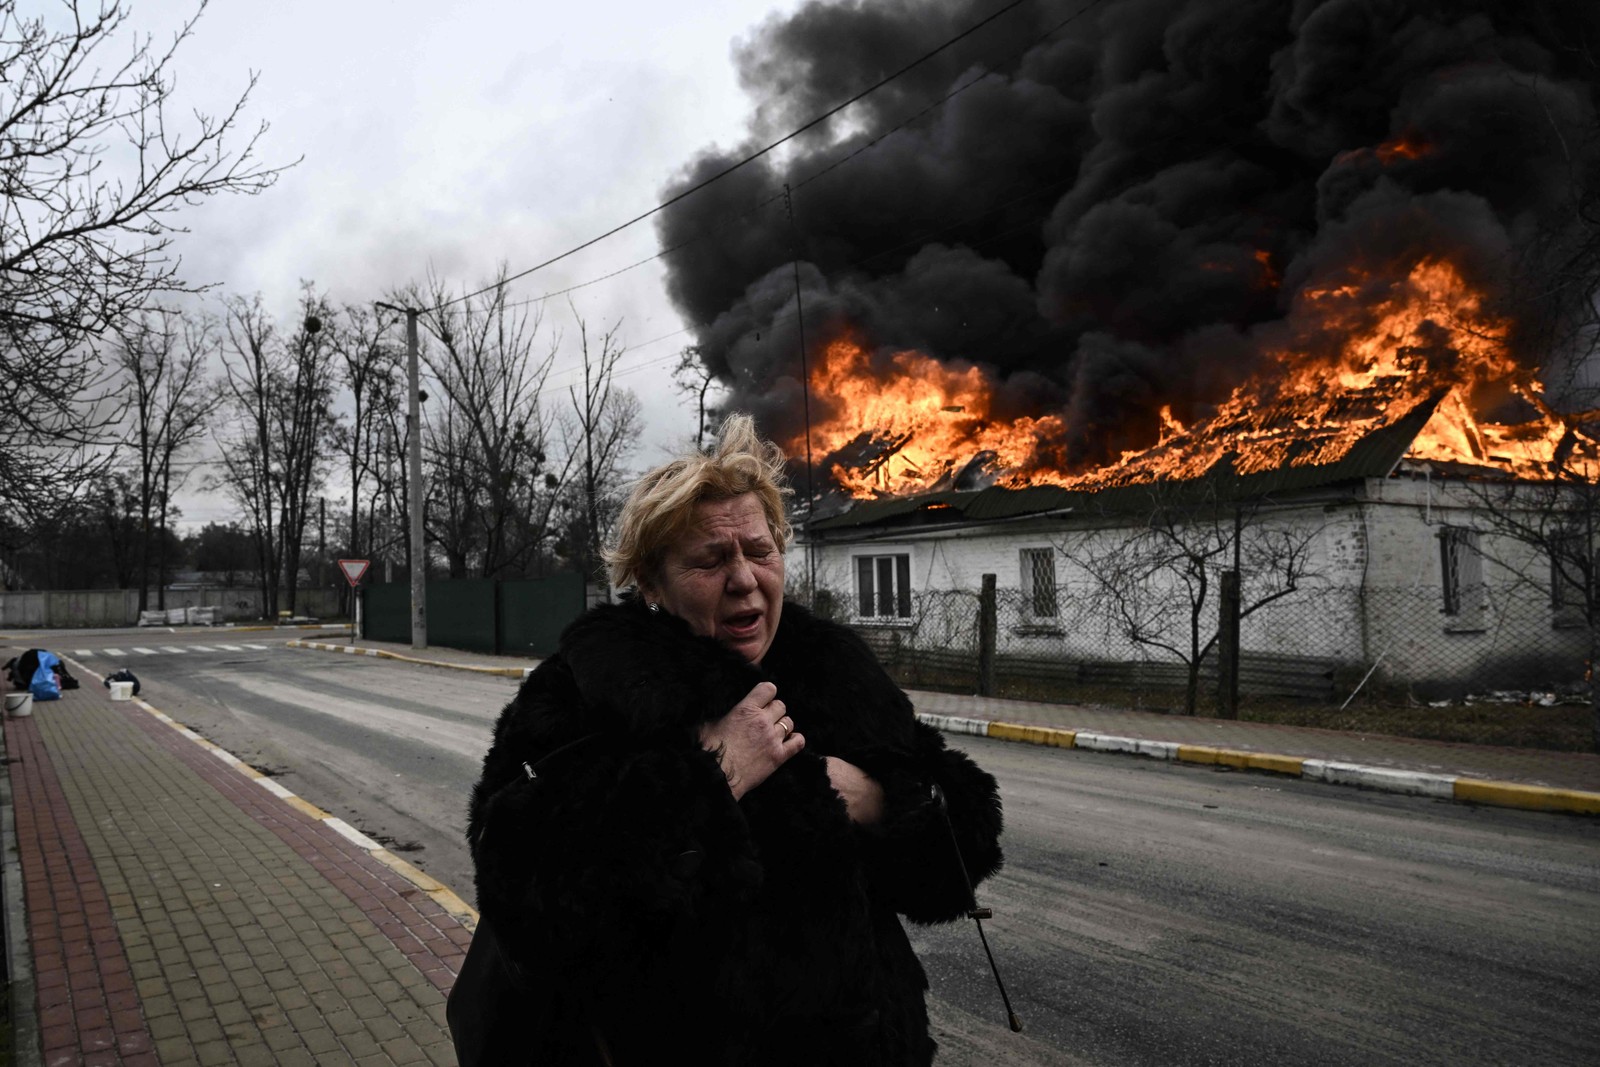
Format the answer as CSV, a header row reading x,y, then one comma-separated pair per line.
x,y
724,577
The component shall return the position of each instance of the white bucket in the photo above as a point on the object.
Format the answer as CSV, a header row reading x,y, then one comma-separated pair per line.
x,y
19,704
121,690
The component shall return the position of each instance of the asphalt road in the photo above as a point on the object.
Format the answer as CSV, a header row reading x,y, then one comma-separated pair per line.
x,y
1148,913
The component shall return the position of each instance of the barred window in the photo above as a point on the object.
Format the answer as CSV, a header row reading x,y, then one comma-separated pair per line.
x,y
1461,569
883,586
1039,582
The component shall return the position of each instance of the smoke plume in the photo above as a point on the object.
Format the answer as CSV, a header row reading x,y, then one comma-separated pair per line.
x,y
1119,213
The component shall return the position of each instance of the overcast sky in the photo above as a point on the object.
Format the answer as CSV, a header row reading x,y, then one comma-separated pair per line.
x,y
462,135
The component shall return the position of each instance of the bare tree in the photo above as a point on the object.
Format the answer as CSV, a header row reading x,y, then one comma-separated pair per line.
x,y
371,367
488,436
601,431
1151,582
161,356
94,168
692,378
457,498
302,424
1542,534
114,506
275,459
249,379
390,535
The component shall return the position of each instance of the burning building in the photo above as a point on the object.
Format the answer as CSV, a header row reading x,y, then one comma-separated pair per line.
x,y
1334,254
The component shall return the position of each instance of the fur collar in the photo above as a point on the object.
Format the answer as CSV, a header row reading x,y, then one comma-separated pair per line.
x,y
642,671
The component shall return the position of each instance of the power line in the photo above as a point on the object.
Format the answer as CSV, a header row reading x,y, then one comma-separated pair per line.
x,y
731,221
788,316
1014,4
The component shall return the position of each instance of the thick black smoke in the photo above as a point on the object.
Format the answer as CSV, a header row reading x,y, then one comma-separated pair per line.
x,y
1116,217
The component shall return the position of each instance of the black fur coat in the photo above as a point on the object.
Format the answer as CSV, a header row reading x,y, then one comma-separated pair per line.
x,y
645,904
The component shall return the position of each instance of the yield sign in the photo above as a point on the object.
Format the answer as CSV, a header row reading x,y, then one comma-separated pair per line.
x,y
353,570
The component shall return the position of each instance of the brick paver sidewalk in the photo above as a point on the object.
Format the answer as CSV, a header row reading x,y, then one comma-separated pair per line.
x,y
179,913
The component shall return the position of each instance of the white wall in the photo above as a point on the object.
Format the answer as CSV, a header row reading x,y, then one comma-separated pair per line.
x,y
1373,591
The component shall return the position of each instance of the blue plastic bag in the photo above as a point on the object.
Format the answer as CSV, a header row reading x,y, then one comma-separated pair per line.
x,y
44,685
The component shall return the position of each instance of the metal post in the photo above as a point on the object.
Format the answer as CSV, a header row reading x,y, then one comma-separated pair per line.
x,y
419,577
987,626
1228,648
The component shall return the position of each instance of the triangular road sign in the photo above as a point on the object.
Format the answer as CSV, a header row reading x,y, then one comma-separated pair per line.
x,y
354,569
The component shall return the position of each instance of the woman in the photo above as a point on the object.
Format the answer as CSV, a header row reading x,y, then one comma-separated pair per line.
x,y
700,818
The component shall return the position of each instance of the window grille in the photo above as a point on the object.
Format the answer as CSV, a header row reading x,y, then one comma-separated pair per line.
x,y
1039,582
1461,571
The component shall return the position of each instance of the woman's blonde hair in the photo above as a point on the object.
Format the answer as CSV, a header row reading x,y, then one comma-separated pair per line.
x,y
661,505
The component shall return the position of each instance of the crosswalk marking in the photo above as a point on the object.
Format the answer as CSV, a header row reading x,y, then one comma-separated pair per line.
x,y
176,650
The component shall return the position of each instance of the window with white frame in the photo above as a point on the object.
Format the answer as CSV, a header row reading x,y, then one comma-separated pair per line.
x,y
1039,583
1461,569
883,586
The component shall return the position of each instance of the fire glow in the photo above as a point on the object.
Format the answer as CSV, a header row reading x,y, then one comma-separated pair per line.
x,y
915,427
915,424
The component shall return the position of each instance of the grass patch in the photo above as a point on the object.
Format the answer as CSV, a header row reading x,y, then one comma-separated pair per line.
x,y
1561,728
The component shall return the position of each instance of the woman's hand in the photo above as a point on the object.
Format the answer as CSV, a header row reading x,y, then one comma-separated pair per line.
x,y
753,740
862,796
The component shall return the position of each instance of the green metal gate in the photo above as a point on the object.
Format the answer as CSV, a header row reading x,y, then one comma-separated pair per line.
x,y
522,617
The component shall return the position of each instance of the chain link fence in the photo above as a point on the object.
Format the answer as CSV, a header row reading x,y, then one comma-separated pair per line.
x,y
1316,647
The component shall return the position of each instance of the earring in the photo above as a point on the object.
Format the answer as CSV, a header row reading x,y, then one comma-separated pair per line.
x,y
655,609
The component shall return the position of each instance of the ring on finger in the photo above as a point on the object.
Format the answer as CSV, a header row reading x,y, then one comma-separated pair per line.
x,y
788,727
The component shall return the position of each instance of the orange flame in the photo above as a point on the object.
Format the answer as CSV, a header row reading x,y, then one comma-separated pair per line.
x,y
1428,335
1269,274
1405,146
1426,339
915,427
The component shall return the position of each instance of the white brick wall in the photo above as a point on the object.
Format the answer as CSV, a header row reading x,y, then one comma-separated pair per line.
x,y
1375,590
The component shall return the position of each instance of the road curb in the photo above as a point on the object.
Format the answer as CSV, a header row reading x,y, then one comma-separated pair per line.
x,y
1332,772
383,653
451,902
1532,797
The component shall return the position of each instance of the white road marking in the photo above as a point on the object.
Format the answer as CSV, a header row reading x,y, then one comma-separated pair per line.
x,y
174,648
145,651
258,648
467,739
230,648
83,652
202,648
113,652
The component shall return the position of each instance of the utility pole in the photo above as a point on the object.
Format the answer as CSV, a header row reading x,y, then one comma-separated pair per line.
x,y
419,584
805,395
